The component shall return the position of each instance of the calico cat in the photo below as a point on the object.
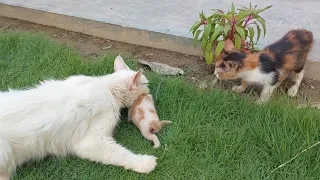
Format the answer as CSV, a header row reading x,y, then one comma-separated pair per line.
x,y
74,116
144,115
268,67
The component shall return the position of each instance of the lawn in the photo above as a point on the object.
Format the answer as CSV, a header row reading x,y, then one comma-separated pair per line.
x,y
215,134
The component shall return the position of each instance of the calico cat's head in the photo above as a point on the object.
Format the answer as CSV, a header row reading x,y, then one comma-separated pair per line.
x,y
131,85
229,63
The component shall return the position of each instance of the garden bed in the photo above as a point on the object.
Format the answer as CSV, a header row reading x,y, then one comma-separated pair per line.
x,y
215,134
197,70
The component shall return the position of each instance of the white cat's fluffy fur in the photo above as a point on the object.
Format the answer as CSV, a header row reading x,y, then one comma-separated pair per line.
x,y
73,116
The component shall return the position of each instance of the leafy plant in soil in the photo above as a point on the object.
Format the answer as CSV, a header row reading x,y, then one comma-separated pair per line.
x,y
240,26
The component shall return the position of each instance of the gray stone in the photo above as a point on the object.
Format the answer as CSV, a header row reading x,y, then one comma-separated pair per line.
x,y
162,68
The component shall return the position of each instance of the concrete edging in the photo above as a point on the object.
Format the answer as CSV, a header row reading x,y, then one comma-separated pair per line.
x,y
119,33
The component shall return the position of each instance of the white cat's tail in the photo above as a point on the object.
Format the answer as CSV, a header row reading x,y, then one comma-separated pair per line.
x,y
7,164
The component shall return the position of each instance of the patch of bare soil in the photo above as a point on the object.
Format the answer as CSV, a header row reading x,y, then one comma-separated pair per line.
x,y
196,69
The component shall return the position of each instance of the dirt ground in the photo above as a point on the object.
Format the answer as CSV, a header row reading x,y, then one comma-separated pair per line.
x,y
195,67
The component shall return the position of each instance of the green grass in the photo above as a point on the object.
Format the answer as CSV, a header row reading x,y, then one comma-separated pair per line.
x,y
215,134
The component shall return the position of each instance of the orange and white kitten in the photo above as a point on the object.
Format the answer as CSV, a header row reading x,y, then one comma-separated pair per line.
x,y
144,115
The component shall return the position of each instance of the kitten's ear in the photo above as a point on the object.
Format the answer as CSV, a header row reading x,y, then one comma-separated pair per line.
x,y
165,122
119,64
229,46
136,79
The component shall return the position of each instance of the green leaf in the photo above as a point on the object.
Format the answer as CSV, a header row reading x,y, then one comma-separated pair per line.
x,y
206,32
263,9
225,16
219,48
226,29
196,36
202,16
195,27
241,32
203,43
216,33
237,41
251,33
209,57
209,20
232,9
262,22
258,31
209,47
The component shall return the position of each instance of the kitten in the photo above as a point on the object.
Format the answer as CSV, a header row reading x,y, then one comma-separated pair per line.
x,y
268,67
73,116
144,115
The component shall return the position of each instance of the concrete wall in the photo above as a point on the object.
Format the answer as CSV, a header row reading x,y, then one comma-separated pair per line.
x,y
175,17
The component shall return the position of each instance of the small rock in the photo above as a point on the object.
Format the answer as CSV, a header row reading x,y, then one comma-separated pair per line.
x,y
107,47
201,58
55,35
215,80
312,87
149,54
162,68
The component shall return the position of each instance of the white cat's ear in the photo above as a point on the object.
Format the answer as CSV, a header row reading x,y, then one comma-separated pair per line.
x,y
229,46
136,79
119,64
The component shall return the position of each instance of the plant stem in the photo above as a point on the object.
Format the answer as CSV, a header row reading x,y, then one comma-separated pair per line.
x,y
247,20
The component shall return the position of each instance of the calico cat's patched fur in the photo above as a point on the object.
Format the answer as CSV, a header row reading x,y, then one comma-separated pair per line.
x,y
144,115
268,67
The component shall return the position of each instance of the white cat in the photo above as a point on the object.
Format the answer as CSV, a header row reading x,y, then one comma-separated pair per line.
x,y
74,116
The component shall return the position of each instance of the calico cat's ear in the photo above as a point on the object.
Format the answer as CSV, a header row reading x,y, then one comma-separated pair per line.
x,y
136,79
229,46
119,64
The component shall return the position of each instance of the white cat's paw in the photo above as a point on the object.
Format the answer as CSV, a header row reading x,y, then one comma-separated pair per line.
x,y
145,164
292,92
238,89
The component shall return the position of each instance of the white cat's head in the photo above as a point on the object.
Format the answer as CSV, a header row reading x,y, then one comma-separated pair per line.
x,y
133,83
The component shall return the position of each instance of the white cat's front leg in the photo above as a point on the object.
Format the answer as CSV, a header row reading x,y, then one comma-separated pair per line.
x,y
105,150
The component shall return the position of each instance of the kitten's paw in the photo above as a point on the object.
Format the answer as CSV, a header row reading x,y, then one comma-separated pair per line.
x,y
145,164
238,89
156,145
292,92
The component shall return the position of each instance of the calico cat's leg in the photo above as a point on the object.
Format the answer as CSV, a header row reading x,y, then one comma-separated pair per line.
x,y
241,88
105,150
215,80
297,79
266,93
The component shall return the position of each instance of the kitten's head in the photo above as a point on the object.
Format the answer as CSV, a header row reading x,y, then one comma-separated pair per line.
x,y
132,83
229,63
